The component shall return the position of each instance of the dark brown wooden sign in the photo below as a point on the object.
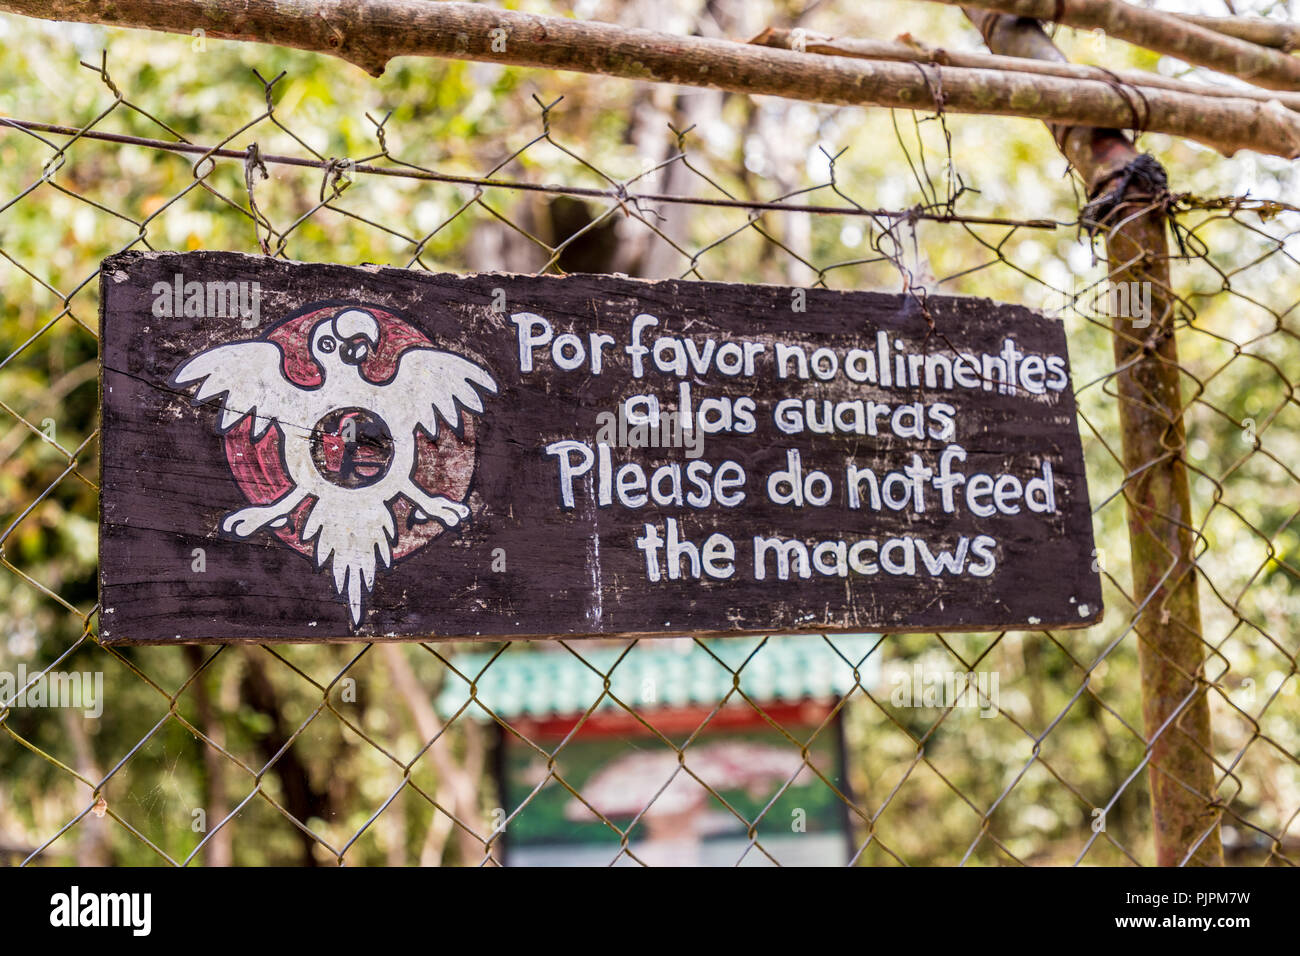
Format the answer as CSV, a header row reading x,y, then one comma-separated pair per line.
x,y
299,452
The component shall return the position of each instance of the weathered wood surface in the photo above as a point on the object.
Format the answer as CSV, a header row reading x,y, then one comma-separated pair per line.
x,y
175,566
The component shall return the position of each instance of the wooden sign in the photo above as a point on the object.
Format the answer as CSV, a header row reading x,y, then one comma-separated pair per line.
x,y
299,452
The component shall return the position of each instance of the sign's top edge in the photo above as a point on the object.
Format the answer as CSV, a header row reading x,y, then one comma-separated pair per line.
x,y
123,260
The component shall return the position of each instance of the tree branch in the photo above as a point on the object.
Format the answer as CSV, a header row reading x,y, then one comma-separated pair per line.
x,y
1269,33
370,32
457,782
1163,32
913,51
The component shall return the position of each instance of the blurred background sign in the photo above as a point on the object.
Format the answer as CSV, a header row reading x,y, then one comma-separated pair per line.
x,y
582,766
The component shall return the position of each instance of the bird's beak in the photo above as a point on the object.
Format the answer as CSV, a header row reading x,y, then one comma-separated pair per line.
x,y
354,351
358,334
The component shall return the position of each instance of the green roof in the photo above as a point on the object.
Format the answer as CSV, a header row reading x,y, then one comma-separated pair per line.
x,y
529,681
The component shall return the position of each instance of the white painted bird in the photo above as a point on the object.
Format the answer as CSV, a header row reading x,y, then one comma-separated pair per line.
x,y
349,525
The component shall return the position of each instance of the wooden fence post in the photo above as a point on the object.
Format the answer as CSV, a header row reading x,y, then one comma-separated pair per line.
x,y
1128,191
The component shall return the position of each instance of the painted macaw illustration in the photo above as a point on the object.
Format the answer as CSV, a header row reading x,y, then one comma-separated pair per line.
x,y
353,472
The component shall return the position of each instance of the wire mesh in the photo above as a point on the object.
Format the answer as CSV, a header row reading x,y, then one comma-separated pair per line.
x,y
326,754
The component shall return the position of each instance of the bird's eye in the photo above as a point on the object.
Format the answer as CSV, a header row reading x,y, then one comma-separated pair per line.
x,y
327,344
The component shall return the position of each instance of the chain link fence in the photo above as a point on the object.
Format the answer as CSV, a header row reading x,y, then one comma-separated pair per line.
x,y
988,749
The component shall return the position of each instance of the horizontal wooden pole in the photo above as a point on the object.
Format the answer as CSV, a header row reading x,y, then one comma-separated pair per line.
x,y
370,32
913,52
1164,33
1270,33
